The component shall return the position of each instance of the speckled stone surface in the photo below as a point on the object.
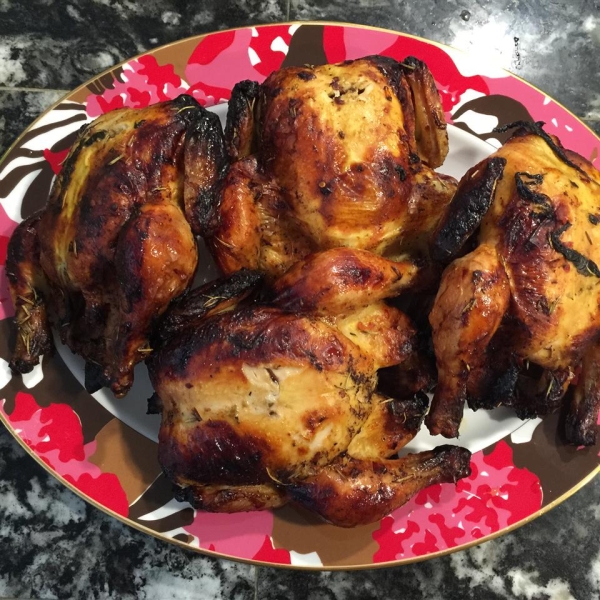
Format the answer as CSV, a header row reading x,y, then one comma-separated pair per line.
x,y
54,545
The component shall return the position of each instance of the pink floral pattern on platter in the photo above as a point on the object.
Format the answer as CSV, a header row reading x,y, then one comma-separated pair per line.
x,y
54,434
496,495
239,534
146,82
557,121
257,52
347,43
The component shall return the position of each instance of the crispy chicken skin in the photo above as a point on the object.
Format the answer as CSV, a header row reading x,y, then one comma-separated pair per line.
x,y
262,403
115,243
529,294
330,156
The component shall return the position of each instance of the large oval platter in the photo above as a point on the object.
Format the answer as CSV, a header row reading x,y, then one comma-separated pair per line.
x,y
105,449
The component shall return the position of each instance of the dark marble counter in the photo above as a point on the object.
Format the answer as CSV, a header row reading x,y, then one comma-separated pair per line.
x,y
54,545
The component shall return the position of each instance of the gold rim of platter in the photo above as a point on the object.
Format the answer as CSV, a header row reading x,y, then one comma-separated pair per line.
x,y
213,553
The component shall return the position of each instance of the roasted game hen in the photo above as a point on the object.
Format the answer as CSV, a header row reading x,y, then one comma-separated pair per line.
x,y
274,400
517,320
330,156
115,243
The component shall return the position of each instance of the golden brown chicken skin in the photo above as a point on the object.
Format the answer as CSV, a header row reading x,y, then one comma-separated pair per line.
x,y
529,294
262,404
330,156
115,243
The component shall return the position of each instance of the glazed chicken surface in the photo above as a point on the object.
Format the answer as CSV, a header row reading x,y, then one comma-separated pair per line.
x,y
331,156
115,243
516,321
271,399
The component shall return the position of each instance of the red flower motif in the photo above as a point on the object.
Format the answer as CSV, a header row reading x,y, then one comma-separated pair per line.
x,y
145,82
55,436
496,495
55,159
3,248
392,542
7,226
269,554
106,490
269,46
427,546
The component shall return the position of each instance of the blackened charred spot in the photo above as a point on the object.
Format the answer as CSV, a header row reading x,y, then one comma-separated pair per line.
x,y
413,158
98,135
467,209
306,75
313,360
401,172
190,309
242,342
138,124
594,219
341,135
392,71
524,183
585,266
215,453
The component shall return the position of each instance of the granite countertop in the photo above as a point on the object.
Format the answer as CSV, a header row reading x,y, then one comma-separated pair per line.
x,y
53,544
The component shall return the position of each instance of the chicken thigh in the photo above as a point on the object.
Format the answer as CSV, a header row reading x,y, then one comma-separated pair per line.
x,y
271,400
514,318
115,243
331,156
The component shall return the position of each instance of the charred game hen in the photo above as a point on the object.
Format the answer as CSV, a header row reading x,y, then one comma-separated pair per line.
x,y
115,243
517,319
267,402
330,156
